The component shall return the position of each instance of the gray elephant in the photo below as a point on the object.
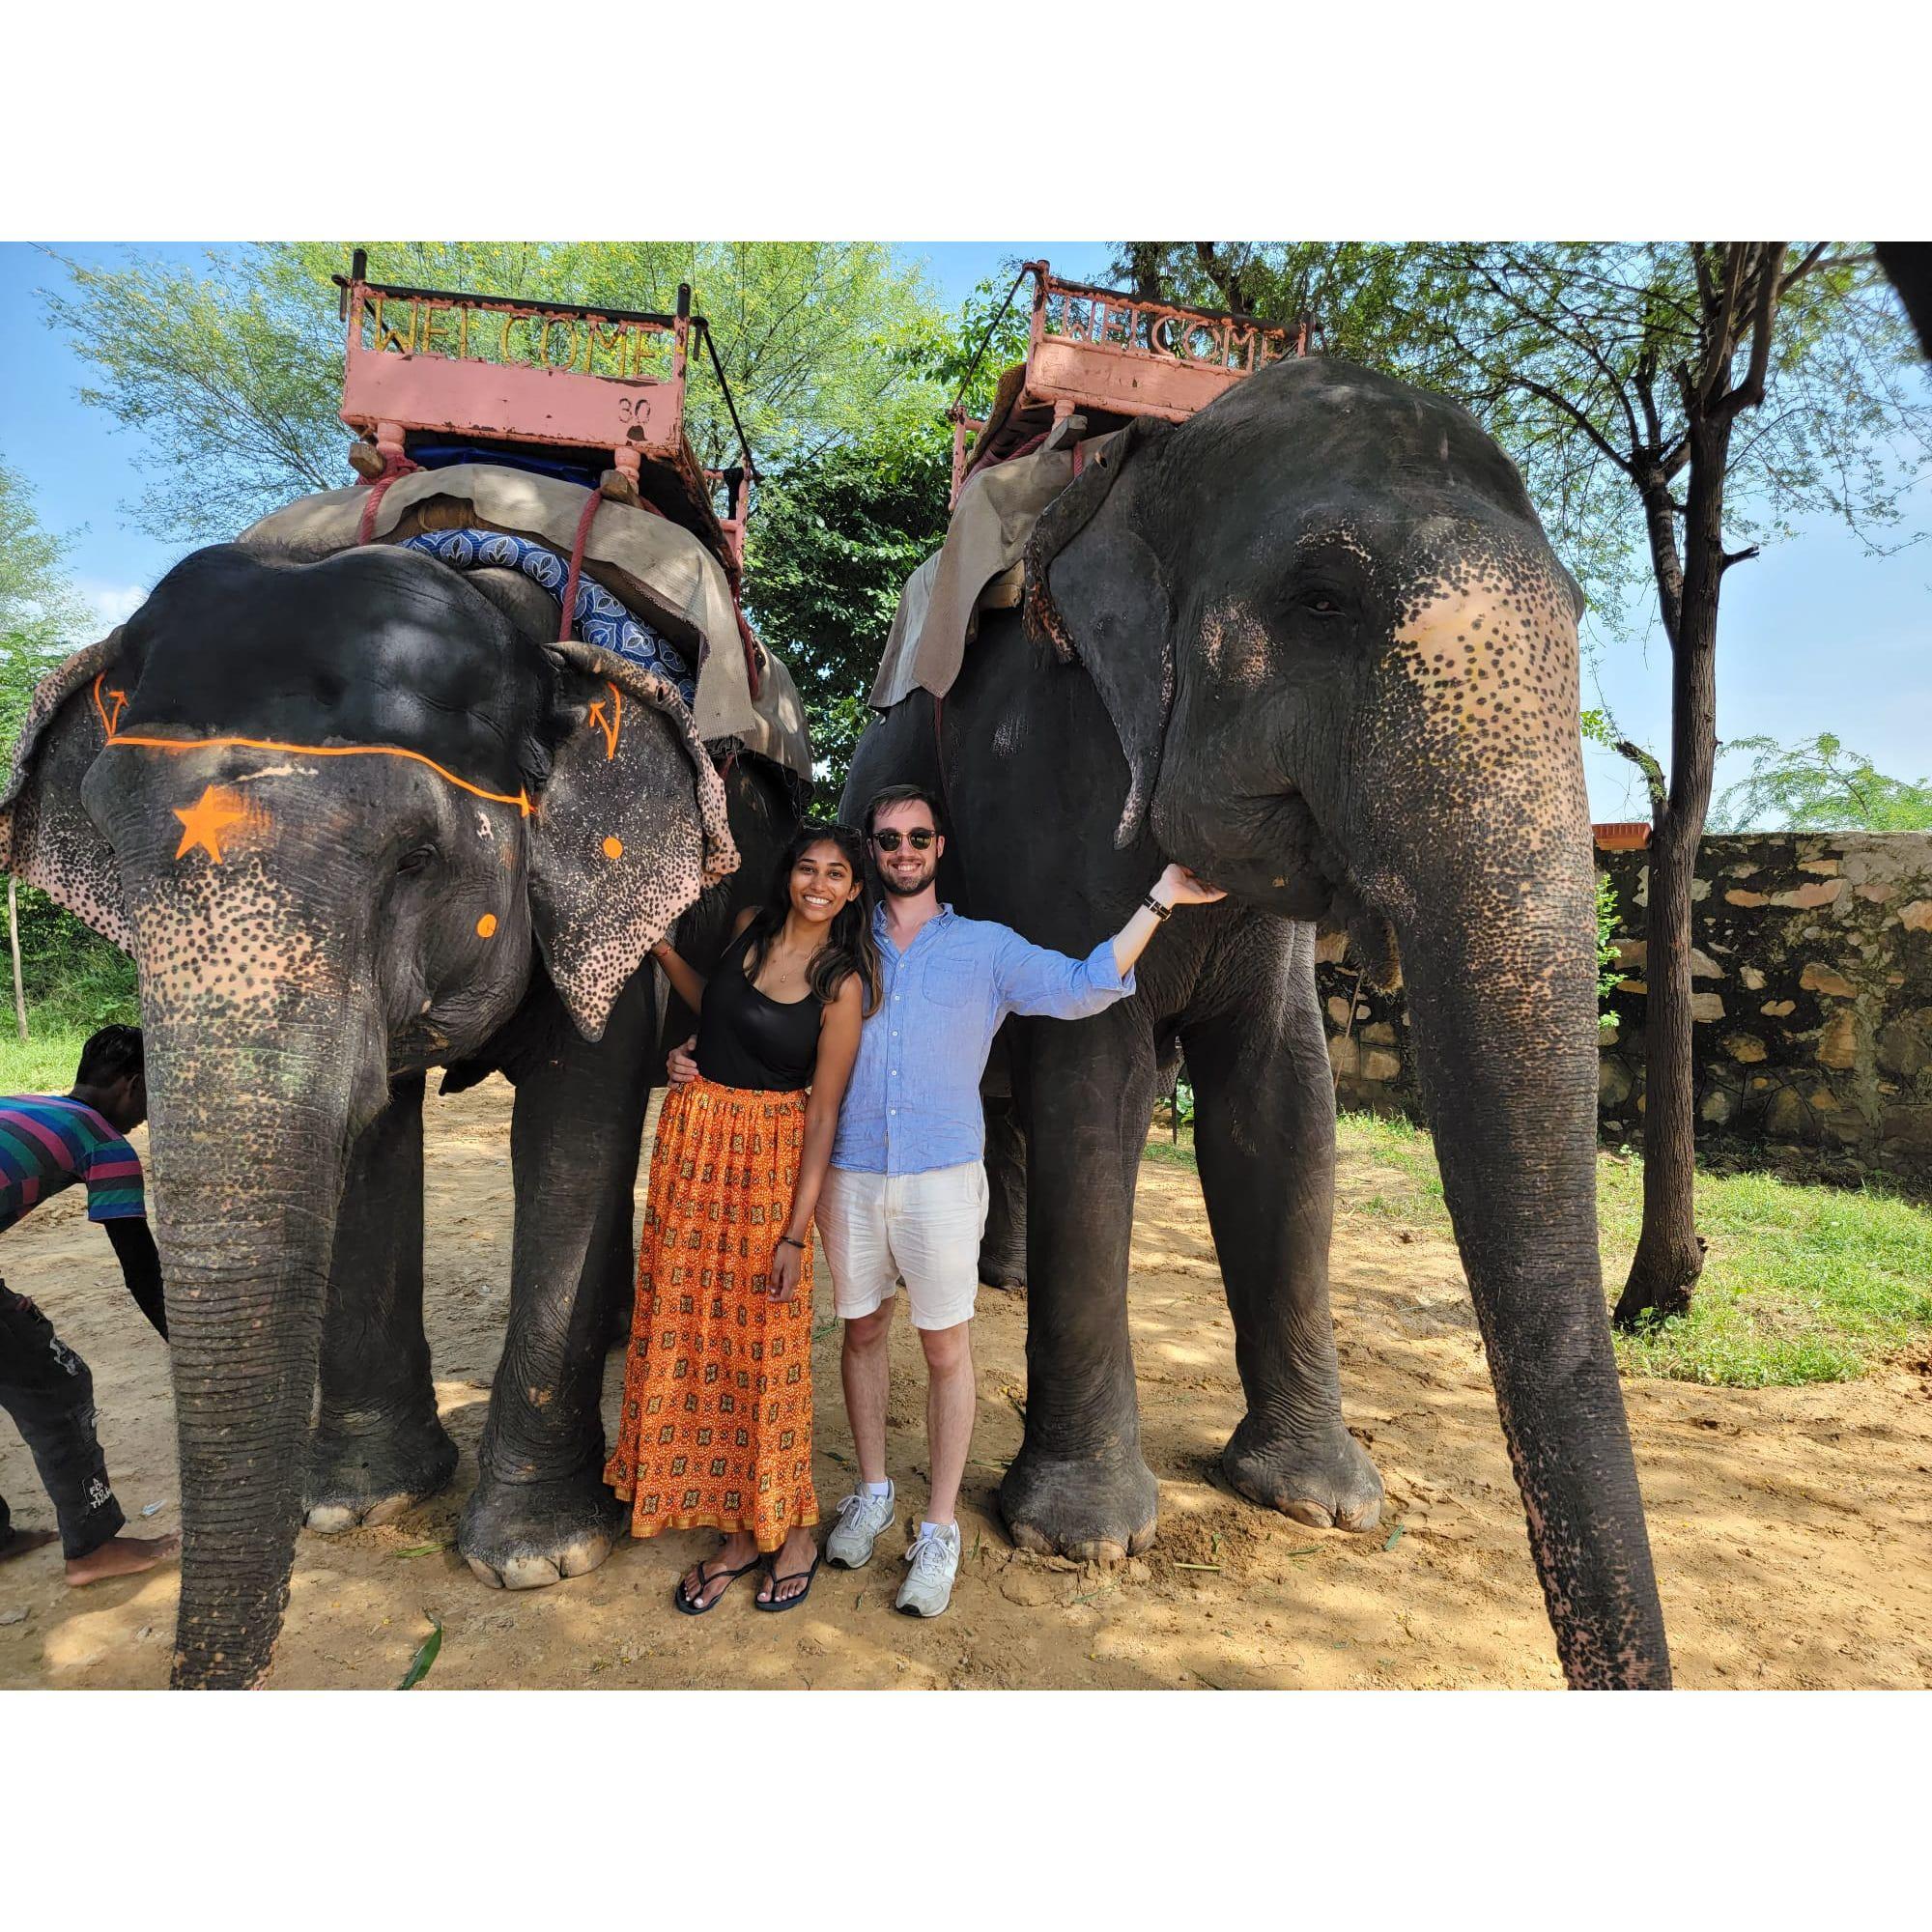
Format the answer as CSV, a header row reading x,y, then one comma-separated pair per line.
x,y
355,818
1313,644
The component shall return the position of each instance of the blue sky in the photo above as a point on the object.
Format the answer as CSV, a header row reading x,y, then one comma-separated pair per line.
x,y
1817,634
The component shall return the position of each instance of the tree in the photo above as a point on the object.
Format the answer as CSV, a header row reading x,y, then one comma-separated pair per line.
x,y
1819,785
43,617
232,368
61,965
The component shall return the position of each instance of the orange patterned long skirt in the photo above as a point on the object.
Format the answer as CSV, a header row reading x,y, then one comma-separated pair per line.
x,y
716,1430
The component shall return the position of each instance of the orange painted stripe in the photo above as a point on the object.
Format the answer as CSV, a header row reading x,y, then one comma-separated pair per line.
x,y
520,801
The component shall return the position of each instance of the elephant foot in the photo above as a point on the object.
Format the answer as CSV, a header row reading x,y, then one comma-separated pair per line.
x,y
1097,1508
522,1536
1002,1265
357,1476
1326,1482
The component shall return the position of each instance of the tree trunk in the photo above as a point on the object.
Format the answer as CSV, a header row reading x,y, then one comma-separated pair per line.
x,y
1670,1252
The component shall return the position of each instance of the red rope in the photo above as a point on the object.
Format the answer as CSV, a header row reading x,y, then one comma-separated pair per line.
x,y
583,523
400,465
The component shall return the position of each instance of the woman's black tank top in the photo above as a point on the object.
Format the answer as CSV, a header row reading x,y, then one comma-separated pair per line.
x,y
747,1040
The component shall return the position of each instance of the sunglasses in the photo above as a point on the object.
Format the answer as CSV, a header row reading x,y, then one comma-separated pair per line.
x,y
920,841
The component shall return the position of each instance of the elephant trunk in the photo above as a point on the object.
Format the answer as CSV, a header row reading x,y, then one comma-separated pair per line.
x,y
1503,1001
248,1151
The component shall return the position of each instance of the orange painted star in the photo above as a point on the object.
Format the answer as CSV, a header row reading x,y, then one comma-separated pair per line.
x,y
203,822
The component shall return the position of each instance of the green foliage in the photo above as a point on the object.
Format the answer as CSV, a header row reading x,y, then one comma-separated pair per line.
x,y
1608,971
233,367
43,617
989,336
72,977
840,530
1819,785
834,539
1367,300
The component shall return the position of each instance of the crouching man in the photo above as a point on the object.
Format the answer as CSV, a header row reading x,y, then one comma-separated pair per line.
x,y
48,1142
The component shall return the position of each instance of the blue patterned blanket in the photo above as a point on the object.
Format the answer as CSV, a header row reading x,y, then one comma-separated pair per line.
x,y
598,619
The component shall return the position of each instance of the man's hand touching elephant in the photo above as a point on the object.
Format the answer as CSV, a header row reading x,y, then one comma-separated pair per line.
x,y
1176,885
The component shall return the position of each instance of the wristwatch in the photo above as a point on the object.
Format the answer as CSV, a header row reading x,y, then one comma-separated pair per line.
x,y
1155,906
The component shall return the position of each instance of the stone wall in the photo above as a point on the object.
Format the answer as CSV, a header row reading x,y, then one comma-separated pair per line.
x,y
1812,966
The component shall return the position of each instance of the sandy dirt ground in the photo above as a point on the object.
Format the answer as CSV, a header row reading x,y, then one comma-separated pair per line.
x,y
1793,1527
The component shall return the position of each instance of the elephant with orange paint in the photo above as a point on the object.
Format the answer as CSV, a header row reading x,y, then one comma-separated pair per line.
x,y
355,819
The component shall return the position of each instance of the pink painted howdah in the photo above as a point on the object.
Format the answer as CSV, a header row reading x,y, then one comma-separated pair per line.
x,y
1108,356
556,376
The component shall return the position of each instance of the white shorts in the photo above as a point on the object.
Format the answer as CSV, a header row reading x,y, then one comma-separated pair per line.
x,y
925,1229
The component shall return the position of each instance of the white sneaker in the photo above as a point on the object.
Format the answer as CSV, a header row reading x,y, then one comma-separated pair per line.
x,y
861,1517
934,1561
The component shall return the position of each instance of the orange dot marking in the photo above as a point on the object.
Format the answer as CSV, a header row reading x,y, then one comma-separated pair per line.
x,y
204,821
486,925
613,847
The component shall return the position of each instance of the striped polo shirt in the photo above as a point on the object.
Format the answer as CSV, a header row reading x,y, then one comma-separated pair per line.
x,y
47,1141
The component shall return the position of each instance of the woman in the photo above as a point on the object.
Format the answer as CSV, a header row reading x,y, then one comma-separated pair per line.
x,y
717,1419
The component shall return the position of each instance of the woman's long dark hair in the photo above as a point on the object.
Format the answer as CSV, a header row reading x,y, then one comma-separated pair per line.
x,y
849,946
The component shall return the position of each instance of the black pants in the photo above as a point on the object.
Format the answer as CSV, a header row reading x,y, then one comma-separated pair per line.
x,y
46,1388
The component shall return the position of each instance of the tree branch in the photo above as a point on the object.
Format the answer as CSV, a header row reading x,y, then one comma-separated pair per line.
x,y
1750,391
1717,342
1653,776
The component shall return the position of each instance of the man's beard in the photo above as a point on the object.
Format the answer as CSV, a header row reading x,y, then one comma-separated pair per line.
x,y
911,888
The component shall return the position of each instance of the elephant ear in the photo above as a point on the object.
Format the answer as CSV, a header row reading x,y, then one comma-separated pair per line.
x,y
629,830
45,836
1095,591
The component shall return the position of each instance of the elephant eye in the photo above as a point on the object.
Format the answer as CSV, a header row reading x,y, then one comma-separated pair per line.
x,y
416,861
1317,604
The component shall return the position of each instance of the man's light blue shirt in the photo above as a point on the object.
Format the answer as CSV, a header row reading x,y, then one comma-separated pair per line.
x,y
913,1102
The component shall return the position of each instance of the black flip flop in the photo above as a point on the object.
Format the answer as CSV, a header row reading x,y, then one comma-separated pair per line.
x,y
776,1603
705,1579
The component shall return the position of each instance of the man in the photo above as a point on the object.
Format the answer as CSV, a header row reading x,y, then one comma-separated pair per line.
x,y
48,1142
906,1195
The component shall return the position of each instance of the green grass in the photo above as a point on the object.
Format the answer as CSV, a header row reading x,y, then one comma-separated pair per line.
x,y
1801,1283
46,1061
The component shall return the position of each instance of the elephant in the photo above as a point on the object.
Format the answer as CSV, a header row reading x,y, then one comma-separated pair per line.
x,y
355,818
1313,643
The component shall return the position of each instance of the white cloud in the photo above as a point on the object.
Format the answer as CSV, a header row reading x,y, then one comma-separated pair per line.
x,y
114,603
